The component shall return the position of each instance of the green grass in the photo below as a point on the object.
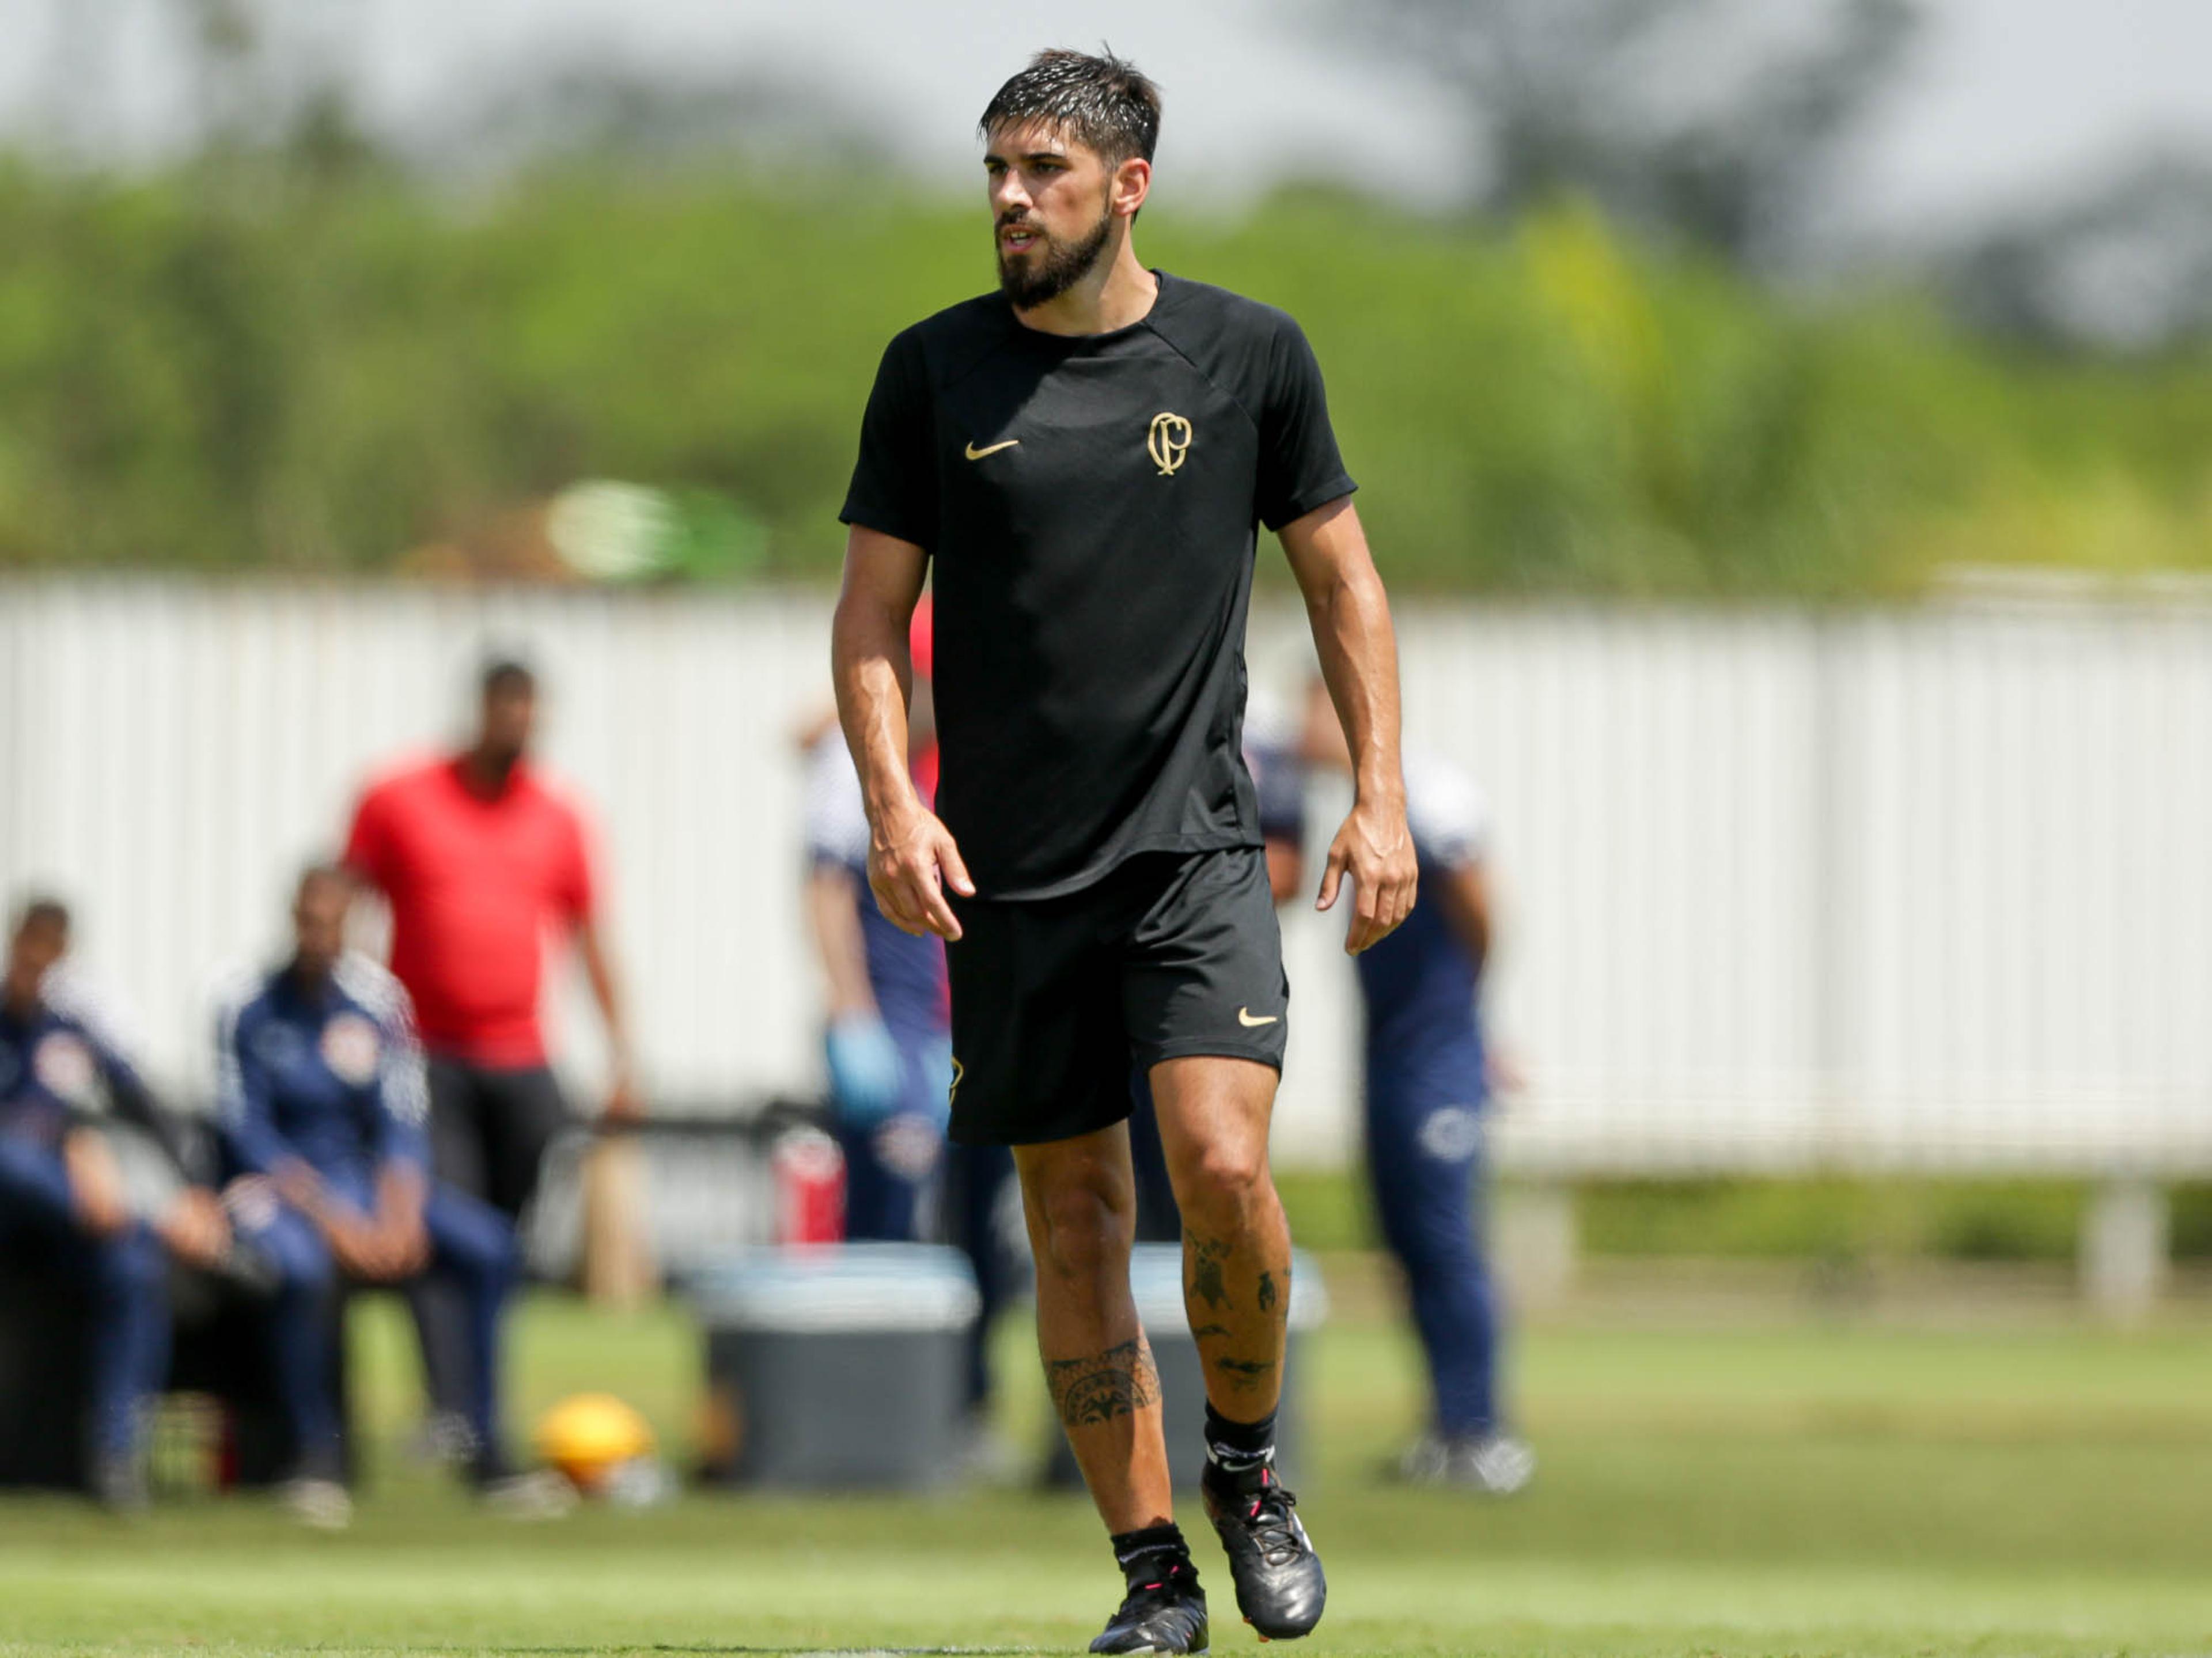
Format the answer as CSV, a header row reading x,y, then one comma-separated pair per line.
x,y
1750,1489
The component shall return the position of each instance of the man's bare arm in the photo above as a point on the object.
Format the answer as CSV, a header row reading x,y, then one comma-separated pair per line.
x,y
622,1101
1350,617
911,855
837,927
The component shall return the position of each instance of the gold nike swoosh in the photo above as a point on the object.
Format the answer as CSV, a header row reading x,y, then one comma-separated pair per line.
x,y
973,453
1244,1017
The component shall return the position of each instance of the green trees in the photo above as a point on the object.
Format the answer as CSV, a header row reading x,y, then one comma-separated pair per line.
x,y
319,371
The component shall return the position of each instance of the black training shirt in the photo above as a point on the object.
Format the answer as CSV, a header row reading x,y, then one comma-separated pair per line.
x,y
1089,504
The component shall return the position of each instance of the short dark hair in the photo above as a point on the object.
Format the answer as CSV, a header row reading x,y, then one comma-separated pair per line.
x,y
503,674
42,909
1103,102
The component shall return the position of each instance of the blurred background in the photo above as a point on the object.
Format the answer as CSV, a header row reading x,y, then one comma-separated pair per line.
x,y
1786,431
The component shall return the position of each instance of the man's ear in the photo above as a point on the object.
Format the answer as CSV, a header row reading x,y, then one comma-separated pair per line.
x,y
1132,182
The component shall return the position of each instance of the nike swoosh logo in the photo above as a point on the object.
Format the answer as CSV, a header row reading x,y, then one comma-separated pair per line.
x,y
1244,1017
973,453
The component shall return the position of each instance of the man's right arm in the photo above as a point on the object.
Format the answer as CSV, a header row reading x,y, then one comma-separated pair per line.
x,y
911,855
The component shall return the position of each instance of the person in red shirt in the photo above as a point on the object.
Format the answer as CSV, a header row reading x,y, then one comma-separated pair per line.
x,y
480,860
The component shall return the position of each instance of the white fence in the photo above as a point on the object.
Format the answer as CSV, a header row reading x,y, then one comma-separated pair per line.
x,y
1923,889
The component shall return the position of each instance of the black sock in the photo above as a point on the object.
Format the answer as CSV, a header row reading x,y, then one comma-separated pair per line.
x,y
1153,1553
1238,1447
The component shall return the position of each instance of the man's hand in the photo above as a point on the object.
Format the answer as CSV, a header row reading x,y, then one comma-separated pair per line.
x,y
1374,850
624,1104
911,862
95,1184
195,1227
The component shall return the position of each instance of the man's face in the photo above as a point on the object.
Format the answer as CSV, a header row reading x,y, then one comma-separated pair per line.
x,y
318,919
510,718
37,945
1051,209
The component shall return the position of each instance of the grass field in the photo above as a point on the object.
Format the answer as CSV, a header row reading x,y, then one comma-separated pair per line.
x,y
1755,1488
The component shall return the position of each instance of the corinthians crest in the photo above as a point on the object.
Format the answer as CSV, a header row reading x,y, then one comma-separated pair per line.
x,y
1168,442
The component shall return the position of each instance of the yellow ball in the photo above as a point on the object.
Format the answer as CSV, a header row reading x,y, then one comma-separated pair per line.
x,y
589,1434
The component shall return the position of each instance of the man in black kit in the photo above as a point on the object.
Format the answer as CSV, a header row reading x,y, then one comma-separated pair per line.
x,y
1086,456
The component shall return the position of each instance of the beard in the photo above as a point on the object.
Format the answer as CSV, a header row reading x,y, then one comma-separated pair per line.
x,y
1052,267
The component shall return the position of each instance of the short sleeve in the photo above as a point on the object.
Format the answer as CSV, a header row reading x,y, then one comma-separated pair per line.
x,y
1446,815
894,487
1299,466
836,816
369,842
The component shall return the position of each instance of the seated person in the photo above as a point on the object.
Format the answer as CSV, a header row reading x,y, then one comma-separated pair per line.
x,y
322,1101
64,1205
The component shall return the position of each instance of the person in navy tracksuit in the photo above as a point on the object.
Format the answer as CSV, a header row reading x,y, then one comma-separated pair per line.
x,y
1427,1083
323,1102
64,1205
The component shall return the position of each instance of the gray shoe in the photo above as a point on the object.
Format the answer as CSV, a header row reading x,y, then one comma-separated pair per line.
x,y
543,1495
1496,1464
317,1504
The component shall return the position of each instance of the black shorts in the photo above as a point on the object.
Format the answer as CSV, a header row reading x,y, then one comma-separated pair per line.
x,y
1054,999
490,1126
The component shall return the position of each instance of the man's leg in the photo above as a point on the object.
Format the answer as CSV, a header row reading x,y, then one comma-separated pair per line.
x,y
1080,1203
1213,1118
1421,1159
125,1281
472,1247
299,1328
1214,1112
458,1157
525,1112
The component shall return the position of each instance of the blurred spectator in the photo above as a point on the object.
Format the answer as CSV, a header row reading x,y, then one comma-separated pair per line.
x,y
479,859
323,1100
64,1205
889,1040
1427,1082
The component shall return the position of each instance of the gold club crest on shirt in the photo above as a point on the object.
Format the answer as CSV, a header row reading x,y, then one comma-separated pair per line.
x,y
1168,442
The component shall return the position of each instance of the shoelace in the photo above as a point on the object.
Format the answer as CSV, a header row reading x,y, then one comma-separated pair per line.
x,y
1277,1535
1143,1599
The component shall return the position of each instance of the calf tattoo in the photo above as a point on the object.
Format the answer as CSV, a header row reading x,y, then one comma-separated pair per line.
x,y
1120,1381
1205,1277
1244,1374
1267,1291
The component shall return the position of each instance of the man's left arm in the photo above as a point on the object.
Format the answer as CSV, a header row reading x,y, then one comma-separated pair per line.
x,y
1350,617
623,1103
579,897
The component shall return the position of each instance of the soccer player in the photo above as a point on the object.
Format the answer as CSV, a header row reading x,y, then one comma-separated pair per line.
x,y
480,860
888,1041
322,1098
1427,1077
62,1194
1083,457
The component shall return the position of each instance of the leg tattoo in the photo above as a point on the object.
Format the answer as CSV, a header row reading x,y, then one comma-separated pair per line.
x,y
1205,1277
1244,1374
1267,1291
1120,1381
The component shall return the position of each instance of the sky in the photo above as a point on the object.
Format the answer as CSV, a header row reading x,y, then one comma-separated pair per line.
x,y
2004,100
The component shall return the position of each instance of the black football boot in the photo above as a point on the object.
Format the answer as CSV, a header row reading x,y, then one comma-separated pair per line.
x,y
1164,1611
1279,1586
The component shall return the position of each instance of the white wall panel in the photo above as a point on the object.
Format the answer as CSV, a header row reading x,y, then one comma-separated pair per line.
x,y
1924,889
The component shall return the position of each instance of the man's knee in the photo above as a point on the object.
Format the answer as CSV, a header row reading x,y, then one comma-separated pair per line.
x,y
1080,1227
1222,1180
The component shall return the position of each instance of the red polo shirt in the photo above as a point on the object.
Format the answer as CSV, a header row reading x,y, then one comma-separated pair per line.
x,y
474,885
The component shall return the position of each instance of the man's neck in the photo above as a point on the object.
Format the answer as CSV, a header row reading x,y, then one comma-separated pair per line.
x,y
485,774
1119,291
